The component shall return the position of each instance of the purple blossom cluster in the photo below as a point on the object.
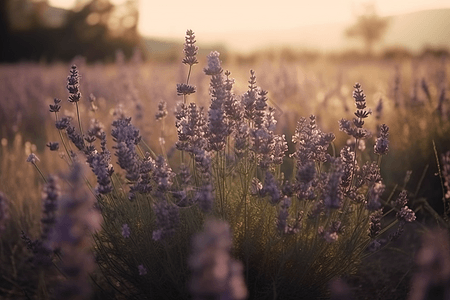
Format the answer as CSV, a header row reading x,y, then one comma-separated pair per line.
x,y
191,128
333,192
283,225
137,169
331,235
73,85
356,129
404,214
269,149
167,219
244,126
217,125
271,189
375,223
190,50
445,158
312,143
381,147
100,163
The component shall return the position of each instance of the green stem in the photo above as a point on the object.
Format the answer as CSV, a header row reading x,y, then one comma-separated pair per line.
x,y
189,74
62,140
442,181
79,121
37,168
354,165
149,149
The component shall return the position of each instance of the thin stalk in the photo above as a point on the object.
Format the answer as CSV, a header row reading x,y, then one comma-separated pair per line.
x,y
224,177
149,149
354,165
64,144
37,168
420,181
79,120
442,181
189,74
187,82
62,139
333,148
162,139
379,161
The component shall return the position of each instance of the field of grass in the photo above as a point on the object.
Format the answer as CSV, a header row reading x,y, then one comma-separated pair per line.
x,y
204,179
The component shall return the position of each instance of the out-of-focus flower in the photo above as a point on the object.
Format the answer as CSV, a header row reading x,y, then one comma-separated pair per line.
x,y
4,211
215,275
142,270
433,261
126,231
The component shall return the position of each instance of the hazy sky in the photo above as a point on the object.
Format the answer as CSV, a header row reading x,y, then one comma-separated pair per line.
x,y
170,19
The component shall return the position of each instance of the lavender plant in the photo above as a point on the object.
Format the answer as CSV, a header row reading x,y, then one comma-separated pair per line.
x,y
287,236
291,236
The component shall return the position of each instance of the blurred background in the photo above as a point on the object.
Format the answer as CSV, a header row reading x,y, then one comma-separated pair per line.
x,y
59,30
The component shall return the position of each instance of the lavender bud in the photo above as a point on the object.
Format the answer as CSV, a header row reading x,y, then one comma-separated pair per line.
x,y
73,85
374,196
333,191
54,146
375,223
401,199
162,111
142,270
32,158
405,214
382,145
445,158
126,231
256,187
167,219
214,65
190,50
185,89
55,107
63,123
270,188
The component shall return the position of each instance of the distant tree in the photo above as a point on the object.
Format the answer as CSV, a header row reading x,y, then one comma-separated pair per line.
x,y
94,29
369,27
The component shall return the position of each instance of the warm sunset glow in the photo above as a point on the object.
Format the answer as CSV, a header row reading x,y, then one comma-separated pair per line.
x,y
170,19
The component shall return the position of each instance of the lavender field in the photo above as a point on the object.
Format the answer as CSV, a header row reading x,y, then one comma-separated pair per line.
x,y
223,178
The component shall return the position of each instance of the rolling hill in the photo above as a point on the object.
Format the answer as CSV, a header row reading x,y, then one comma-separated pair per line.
x,y
413,31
